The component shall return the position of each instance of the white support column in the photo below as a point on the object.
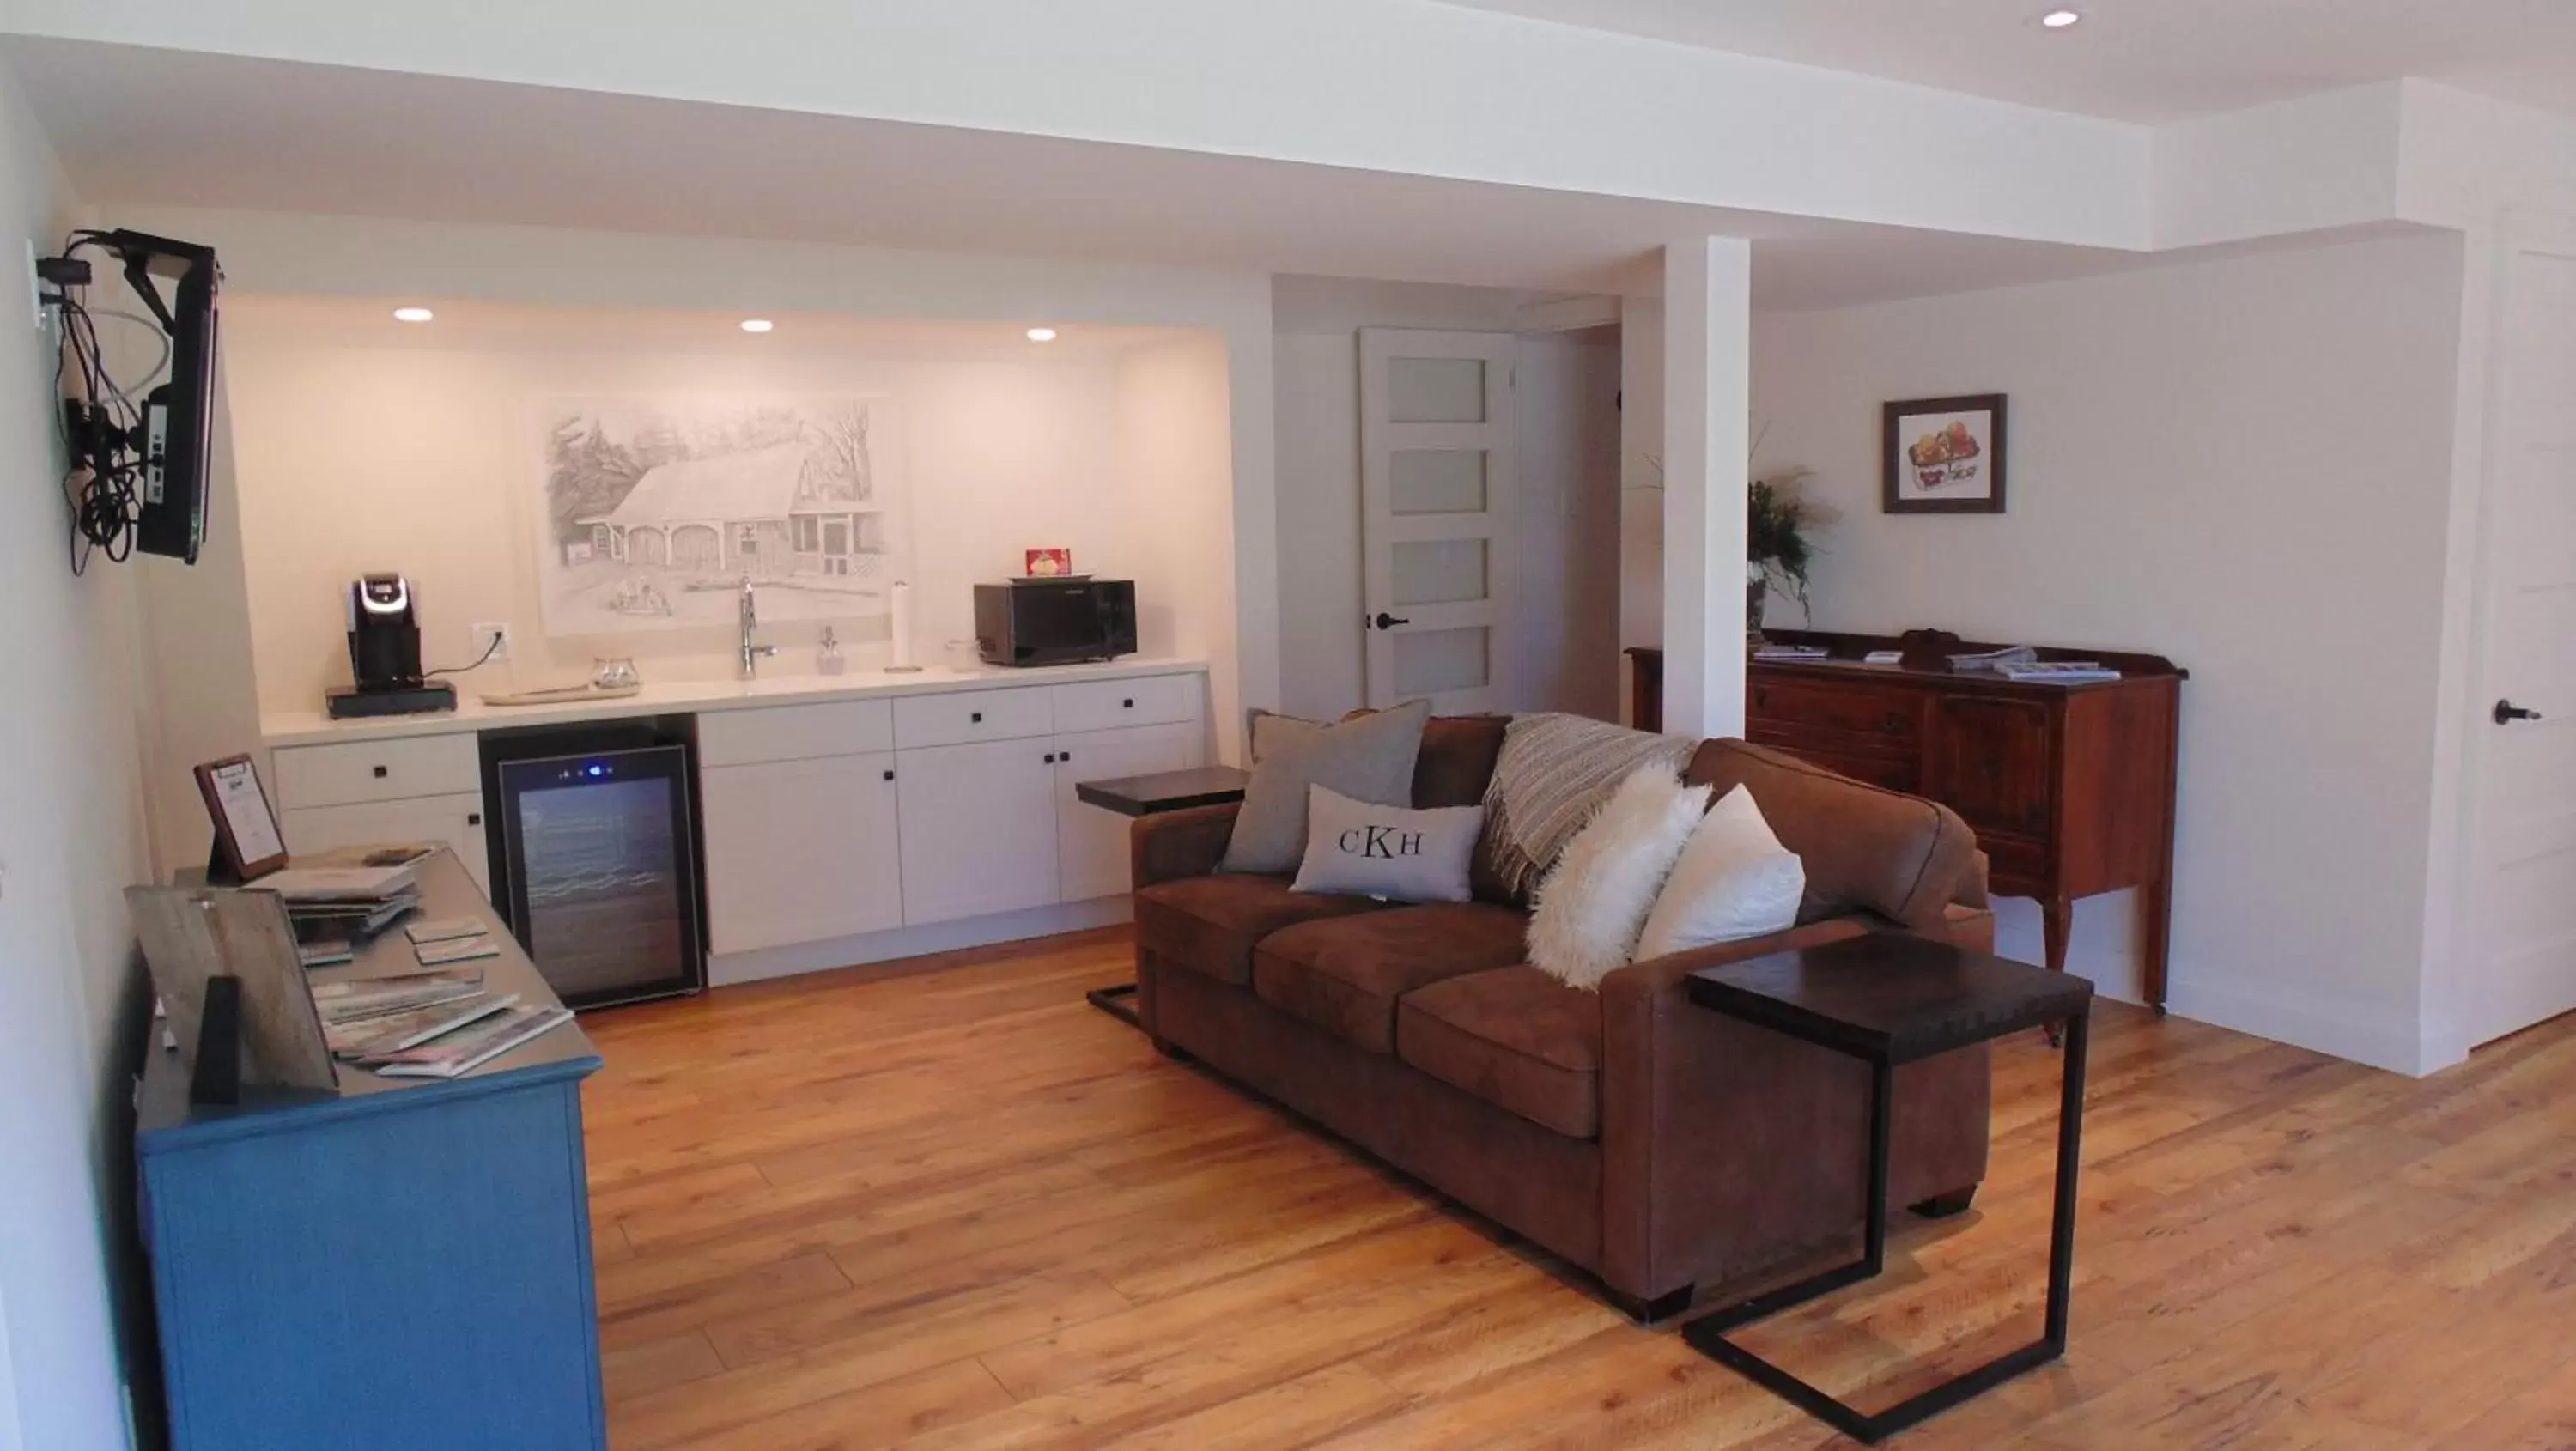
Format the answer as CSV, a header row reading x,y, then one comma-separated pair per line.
x,y
1708,318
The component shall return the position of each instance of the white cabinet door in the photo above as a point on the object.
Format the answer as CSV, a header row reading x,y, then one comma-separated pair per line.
x,y
456,820
1091,841
978,828
800,851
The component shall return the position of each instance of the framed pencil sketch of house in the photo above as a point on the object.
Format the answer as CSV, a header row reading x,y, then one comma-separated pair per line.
x,y
653,510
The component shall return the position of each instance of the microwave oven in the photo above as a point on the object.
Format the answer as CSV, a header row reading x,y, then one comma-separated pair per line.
x,y
1055,621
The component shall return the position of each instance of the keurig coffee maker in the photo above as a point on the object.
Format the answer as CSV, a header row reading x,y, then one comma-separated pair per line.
x,y
384,654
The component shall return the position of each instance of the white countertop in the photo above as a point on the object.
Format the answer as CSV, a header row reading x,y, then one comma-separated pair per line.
x,y
305,728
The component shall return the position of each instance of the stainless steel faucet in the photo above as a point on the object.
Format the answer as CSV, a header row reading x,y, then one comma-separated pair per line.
x,y
751,651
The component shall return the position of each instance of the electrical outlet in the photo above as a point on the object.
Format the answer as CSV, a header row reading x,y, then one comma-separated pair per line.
x,y
495,638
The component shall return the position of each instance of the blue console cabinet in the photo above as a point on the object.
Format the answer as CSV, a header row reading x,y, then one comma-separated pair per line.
x,y
403,1267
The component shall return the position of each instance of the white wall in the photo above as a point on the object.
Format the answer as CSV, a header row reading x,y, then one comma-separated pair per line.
x,y
71,840
1566,430
283,255
2243,465
1173,453
1641,481
365,444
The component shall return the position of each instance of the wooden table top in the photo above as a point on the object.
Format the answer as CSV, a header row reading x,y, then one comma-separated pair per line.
x,y
1166,790
1891,995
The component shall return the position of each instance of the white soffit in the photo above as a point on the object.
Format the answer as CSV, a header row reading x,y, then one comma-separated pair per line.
x,y
1399,87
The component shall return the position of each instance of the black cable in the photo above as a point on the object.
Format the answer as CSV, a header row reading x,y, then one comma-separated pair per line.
x,y
485,659
101,430
100,489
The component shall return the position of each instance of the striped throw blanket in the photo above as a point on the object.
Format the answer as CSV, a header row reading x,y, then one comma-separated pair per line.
x,y
1554,772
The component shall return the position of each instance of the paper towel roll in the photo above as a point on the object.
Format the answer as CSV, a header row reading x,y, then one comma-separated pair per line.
x,y
899,626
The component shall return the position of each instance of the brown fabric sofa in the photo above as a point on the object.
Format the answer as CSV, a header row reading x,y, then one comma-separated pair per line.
x,y
1657,1145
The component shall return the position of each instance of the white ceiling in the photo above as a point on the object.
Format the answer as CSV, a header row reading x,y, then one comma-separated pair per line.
x,y
135,125
2130,60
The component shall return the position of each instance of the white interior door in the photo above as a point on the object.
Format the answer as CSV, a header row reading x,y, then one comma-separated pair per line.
x,y
1437,504
2522,833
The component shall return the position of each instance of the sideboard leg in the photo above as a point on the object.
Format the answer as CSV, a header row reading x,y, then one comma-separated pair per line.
x,y
2056,925
2155,930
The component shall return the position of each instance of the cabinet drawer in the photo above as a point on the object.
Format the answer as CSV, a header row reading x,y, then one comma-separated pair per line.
x,y
1893,716
394,770
794,732
972,715
2017,866
1099,705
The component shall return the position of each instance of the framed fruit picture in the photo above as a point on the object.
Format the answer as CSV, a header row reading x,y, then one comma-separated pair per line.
x,y
1944,455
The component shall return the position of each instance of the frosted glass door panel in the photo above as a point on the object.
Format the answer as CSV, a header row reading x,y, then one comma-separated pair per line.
x,y
1435,390
1437,480
1440,572
1435,662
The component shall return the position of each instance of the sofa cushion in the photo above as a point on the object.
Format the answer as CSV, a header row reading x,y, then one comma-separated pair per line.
x,y
1457,760
1346,975
1861,845
1369,758
1211,924
1514,1037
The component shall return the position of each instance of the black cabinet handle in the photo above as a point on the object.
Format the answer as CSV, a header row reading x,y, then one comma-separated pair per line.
x,y
977,717
1050,760
380,773
889,775
1064,756
474,818
1127,705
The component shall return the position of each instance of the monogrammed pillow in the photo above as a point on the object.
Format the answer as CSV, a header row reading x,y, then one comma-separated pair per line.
x,y
1355,849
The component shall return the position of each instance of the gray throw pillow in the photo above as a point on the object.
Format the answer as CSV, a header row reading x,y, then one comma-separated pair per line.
x,y
1367,758
1356,849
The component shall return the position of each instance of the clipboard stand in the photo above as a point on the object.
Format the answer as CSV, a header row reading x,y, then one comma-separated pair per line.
x,y
220,871
217,1078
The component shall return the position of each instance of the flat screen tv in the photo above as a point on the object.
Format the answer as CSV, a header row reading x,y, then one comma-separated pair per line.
x,y
170,515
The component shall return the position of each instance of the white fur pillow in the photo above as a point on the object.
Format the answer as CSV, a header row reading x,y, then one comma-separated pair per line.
x,y
1734,880
1595,899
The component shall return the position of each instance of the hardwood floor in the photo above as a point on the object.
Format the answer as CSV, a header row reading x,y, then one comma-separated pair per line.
x,y
963,1209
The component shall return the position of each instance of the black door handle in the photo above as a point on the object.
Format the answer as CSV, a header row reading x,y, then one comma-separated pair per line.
x,y
1385,621
2506,713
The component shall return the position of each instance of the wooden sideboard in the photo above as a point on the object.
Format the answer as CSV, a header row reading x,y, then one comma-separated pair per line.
x,y
2070,789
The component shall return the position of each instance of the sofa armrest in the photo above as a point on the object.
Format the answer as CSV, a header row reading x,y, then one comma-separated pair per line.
x,y
1972,891
1728,1149
1171,845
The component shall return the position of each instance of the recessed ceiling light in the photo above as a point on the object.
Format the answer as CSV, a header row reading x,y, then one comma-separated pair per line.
x,y
1042,335
413,314
757,324
2060,19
